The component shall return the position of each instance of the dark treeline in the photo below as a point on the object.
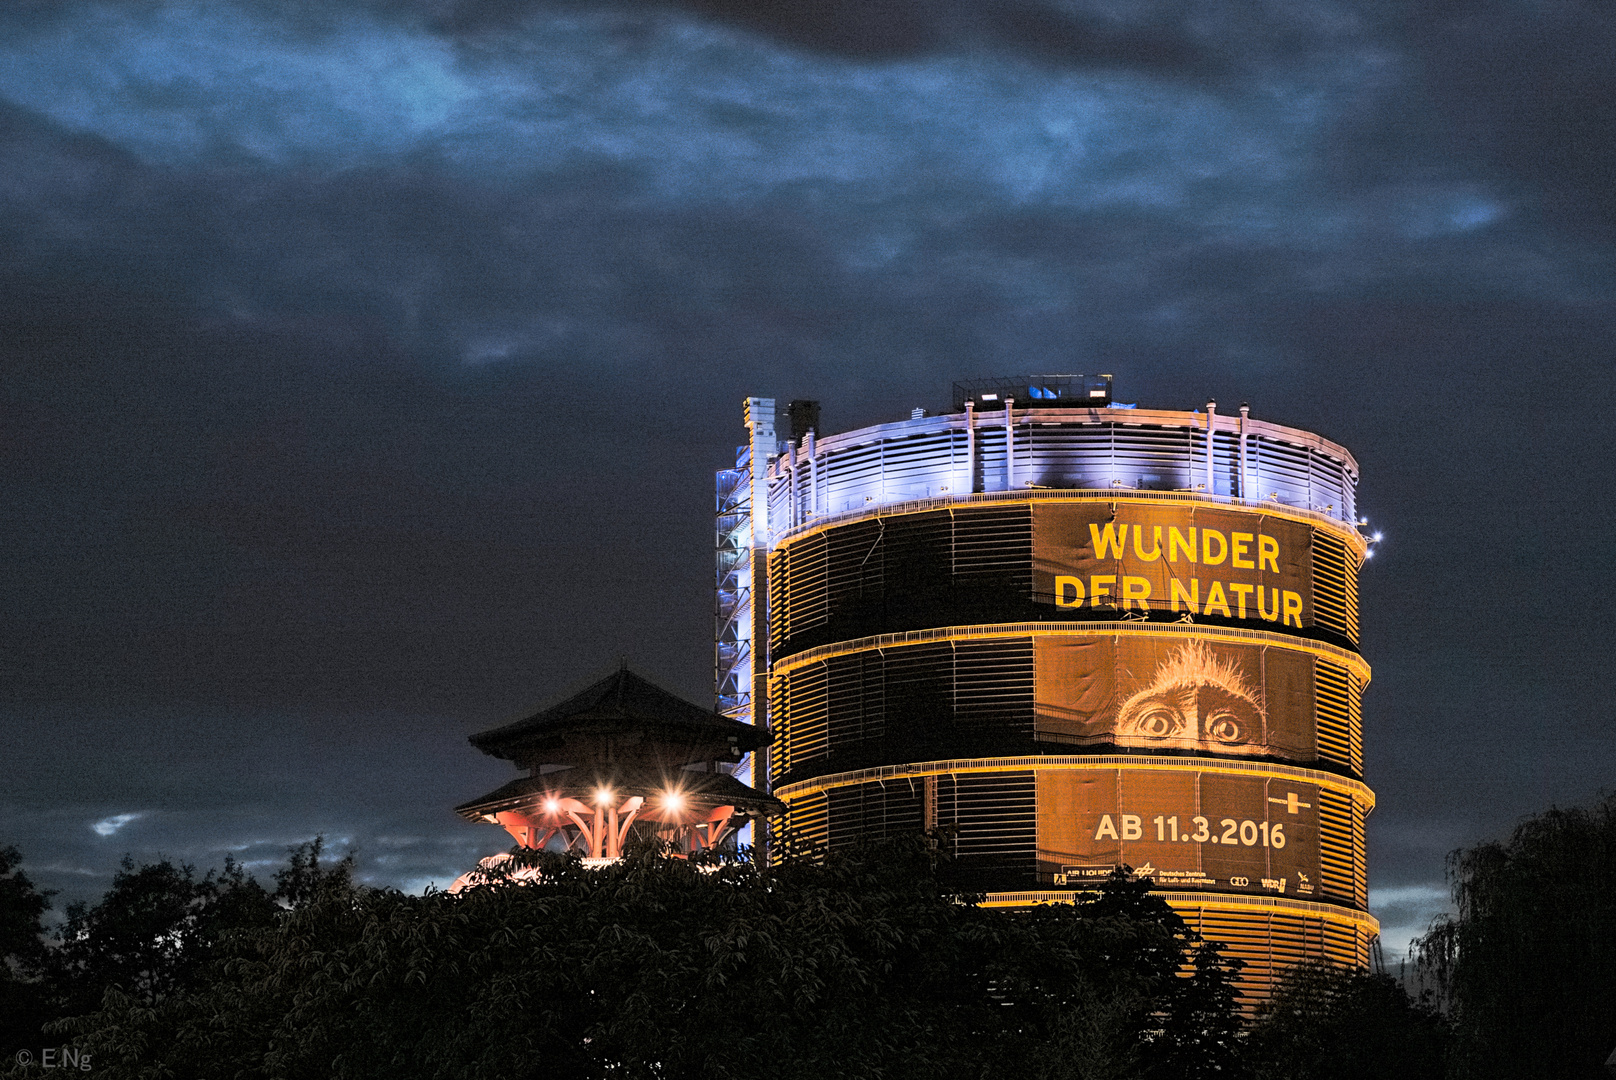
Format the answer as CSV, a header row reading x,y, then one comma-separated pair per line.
x,y
862,965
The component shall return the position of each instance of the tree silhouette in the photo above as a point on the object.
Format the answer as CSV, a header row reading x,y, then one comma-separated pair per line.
x,y
862,965
1527,966
23,1005
1330,1023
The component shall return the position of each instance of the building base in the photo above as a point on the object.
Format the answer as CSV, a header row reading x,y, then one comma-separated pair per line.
x,y
1267,934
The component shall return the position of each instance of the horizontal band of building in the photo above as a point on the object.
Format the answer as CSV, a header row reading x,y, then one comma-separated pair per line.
x,y
1030,496
1245,905
962,454
1266,934
1356,790
1016,815
1086,558
1019,695
1010,826
1352,661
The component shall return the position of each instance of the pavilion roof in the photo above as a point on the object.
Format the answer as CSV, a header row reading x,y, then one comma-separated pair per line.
x,y
706,788
622,702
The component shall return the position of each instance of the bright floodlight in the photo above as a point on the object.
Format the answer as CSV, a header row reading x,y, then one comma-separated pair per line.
x,y
551,806
603,796
1377,537
673,801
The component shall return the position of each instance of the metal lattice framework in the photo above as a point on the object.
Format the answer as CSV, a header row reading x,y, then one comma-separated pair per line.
x,y
732,662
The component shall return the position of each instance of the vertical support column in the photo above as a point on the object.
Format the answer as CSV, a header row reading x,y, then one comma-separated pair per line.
x,y
1245,415
760,425
825,506
970,448
1211,425
813,474
790,465
1349,507
1009,444
1256,469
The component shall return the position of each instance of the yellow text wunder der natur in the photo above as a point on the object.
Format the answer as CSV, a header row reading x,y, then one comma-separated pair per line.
x,y
1204,547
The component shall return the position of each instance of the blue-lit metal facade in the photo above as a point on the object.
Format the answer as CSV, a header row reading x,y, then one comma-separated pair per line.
x,y
740,663
1238,459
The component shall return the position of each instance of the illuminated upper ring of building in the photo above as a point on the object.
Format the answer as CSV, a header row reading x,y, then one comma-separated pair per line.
x,y
1039,494
1104,449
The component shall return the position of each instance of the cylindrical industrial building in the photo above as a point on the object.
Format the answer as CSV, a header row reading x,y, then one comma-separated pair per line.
x,y
1074,636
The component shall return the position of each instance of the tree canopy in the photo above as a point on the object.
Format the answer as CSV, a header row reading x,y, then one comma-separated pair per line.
x,y
866,964
1527,965
1330,1023
660,967
23,1006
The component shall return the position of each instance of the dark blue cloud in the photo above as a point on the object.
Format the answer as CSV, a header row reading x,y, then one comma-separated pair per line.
x,y
363,366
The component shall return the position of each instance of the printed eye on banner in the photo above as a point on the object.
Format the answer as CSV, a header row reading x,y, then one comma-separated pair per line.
x,y
1162,694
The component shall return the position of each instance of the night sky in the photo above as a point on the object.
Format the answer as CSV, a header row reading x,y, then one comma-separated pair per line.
x,y
364,366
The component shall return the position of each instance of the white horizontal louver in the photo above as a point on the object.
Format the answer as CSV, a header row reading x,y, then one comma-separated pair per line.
x,y
895,466
995,815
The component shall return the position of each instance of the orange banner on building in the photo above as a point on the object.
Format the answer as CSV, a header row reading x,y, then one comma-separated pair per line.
x,y
1176,693
1184,829
1239,564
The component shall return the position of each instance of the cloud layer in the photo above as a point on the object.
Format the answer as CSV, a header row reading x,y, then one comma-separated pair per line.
x,y
363,366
